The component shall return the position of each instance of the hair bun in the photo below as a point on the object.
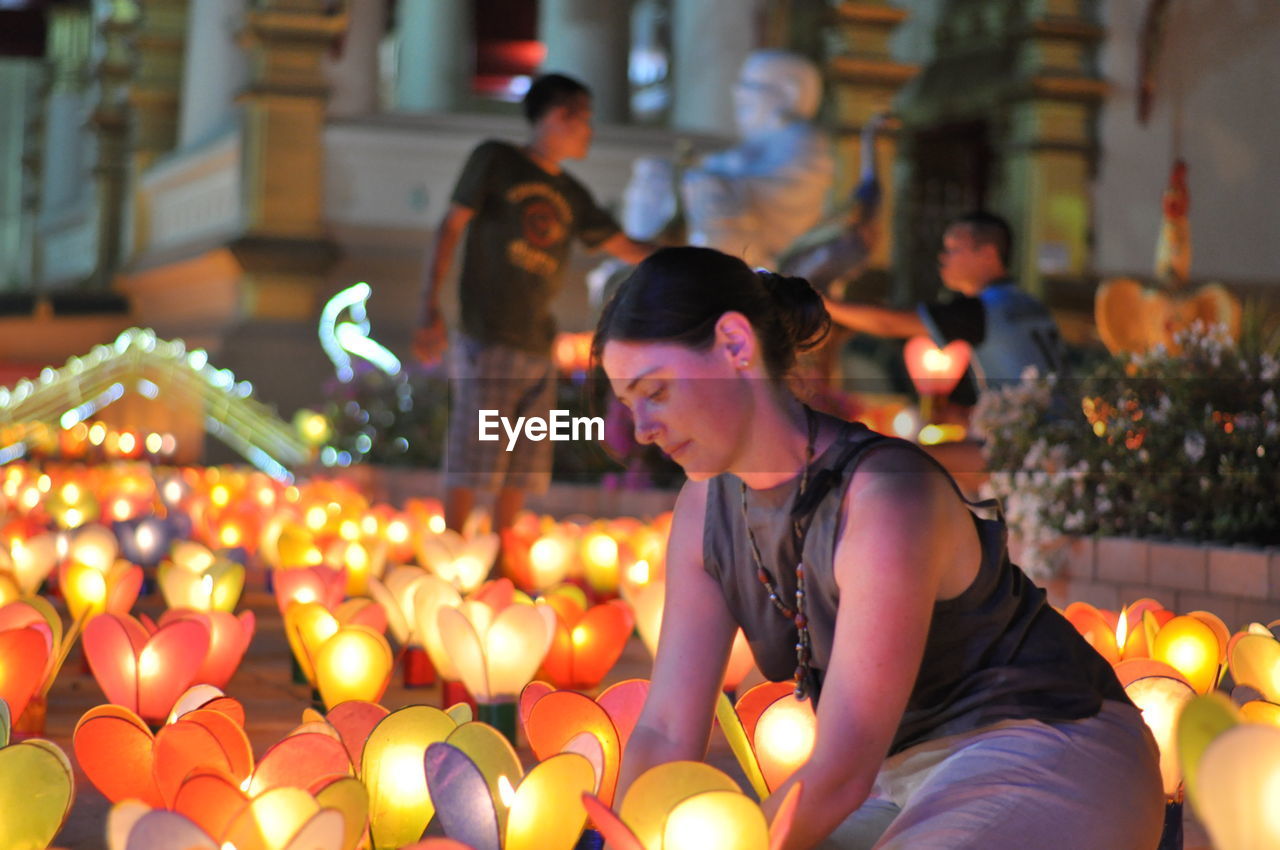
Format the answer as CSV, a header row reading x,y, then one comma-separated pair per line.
x,y
800,308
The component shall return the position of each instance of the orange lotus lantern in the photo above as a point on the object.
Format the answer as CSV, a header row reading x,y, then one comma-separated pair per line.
x,y
770,732
587,641
144,670
559,721
936,371
547,562
18,658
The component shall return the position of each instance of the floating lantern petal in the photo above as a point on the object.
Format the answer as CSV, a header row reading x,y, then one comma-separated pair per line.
x,y
397,596
558,717
462,562
197,579
229,638
348,795
495,758
616,833
320,584
210,798
740,745
464,803
36,791
132,826
354,721
307,625
285,819
355,663
1238,784
623,702
392,768
200,739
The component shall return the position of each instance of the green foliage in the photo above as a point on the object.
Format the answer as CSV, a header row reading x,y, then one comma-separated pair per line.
x,y
1181,445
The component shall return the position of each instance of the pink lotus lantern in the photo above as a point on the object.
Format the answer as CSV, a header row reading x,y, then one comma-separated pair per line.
x,y
229,638
36,789
587,641
309,584
143,669
936,371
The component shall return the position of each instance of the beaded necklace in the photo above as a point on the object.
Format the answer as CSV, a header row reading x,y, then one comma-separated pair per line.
x,y
795,614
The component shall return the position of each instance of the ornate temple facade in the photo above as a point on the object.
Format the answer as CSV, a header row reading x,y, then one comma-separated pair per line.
x,y
216,169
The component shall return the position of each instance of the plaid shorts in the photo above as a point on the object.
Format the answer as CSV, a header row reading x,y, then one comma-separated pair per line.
x,y
514,383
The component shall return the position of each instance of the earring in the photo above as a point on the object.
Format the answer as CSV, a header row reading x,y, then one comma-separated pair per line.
x,y
744,363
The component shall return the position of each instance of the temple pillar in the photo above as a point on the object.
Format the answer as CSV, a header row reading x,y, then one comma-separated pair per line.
x,y
590,41
353,74
70,43
434,42
159,39
711,40
864,78
19,99
215,70
111,123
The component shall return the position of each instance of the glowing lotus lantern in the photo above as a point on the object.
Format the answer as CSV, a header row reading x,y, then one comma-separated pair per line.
x,y
287,543
392,768
398,598
229,638
144,540
462,562
496,653
1192,646
143,670
196,579
600,561
72,505
355,663
92,580
647,603
1254,660
432,595
30,561
280,819
567,721
542,810
36,790
544,565
683,805
309,584
19,658
770,732
360,561
1160,692
587,641
1233,770
936,371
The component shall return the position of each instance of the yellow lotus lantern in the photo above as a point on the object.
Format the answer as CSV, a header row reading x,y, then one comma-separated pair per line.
x,y
36,789
1254,660
30,561
600,561
1233,772
463,562
683,805
770,732
89,590
361,561
392,768
286,542
549,560
355,663
1193,647
279,819
496,653
72,505
540,811
1160,692
195,578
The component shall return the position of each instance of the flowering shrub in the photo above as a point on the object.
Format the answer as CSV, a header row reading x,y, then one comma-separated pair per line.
x,y
1183,446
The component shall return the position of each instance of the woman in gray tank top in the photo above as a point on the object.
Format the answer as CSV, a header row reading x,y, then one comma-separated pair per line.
x,y
955,708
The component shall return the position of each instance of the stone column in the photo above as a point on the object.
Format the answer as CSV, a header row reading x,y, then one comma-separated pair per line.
x,y
353,74
434,45
111,123
19,92
711,39
70,41
159,40
215,72
589,40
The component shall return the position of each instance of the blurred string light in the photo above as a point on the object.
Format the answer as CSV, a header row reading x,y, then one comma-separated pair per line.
x,y
137,361
340,340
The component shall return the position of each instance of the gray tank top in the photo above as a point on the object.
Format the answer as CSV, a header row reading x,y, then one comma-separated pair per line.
x,y
997,651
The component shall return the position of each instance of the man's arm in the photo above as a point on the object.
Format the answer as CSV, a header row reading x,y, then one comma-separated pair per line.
x,y
880,321
627,249
430,339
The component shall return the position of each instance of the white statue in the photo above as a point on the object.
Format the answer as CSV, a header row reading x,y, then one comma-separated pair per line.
x,y
754,199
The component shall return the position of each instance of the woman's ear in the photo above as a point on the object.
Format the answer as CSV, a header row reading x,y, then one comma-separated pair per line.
x,y
736,339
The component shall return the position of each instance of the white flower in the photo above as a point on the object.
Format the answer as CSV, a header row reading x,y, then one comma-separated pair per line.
x,y
1193,446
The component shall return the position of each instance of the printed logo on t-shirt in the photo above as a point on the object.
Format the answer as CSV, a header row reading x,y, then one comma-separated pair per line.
x,y
545,217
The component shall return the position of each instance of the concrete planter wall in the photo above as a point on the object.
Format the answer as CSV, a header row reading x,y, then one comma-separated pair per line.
x,y
1240,584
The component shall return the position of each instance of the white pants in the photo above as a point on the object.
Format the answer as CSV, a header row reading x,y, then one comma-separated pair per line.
x,y
1090,784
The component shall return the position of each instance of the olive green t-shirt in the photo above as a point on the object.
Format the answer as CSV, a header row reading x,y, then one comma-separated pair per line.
x,y
517,244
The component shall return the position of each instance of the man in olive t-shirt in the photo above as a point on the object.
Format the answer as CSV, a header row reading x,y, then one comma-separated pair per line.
x,y
519,209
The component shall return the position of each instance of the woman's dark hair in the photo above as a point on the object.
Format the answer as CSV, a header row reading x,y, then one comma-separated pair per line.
x,y
678,294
